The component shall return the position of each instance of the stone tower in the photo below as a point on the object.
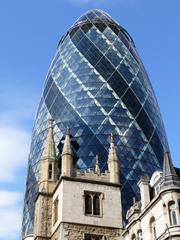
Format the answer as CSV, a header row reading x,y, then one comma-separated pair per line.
x,y
76,206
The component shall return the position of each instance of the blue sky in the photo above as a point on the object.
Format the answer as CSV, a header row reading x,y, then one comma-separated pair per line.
x,y
29,34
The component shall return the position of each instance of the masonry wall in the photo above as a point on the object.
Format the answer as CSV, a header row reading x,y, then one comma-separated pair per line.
x,y
71,204
69,231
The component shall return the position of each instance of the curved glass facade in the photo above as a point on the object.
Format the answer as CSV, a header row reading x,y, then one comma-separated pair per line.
x,y
96,85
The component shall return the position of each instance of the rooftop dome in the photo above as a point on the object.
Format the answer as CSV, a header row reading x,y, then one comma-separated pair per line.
x,y
95,15
101,19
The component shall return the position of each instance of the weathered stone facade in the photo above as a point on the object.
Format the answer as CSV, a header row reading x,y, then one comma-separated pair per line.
x,y
70,231
43,217
87,205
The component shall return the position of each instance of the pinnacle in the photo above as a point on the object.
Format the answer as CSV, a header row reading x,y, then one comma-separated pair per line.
x,y
112,150
49,145
67,148
169,174
97,168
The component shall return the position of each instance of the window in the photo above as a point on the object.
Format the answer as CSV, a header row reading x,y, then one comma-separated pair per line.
x,y
93,203
96,204
153,228
55,210
93,237
88,204
172,213
50,171
139,235
133,237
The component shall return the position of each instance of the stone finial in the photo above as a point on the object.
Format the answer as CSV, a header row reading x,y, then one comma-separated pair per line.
x,y
113,162
67,149
67,157
97,168
112,150
49,151
170,177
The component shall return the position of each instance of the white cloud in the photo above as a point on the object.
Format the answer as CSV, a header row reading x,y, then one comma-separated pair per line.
x,y
10,223
9,199
10,212
14,148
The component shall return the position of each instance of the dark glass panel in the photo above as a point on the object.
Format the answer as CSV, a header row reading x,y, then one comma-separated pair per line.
x,y
125,72
114,28
105,68
93,55
88,204
118,83
131,102
145,124
100,26
157,147
86,27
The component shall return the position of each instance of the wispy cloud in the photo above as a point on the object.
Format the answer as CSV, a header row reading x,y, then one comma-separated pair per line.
x,y
14,146
15,113
10,212
9,199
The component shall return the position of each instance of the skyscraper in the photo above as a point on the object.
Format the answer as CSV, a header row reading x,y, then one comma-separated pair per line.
x,y
96,85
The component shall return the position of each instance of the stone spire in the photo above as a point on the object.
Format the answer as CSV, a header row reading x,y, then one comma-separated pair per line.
x,y
49,146
48,168
113,162
170,178
97,168
67,157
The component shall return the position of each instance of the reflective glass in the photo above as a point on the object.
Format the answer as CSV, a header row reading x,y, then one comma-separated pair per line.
x,y
96,85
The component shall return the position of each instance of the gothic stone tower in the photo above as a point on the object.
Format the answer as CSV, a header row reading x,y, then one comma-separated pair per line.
x,y
83,205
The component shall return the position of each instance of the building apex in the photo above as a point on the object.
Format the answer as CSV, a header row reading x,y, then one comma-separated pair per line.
x,y
49,146
67,148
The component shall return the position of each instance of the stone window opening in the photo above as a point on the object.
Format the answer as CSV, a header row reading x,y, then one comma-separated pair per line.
x,y
153,228
139,235
133,237
93,203
55,210
172,213
50,171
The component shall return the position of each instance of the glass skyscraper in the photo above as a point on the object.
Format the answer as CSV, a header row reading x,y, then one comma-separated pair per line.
x,y
97,85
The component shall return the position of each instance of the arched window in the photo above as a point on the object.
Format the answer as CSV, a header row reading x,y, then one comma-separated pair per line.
x,y
88,204
153,228
93,203
133,237
139,235
50,171
172,213
96,204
